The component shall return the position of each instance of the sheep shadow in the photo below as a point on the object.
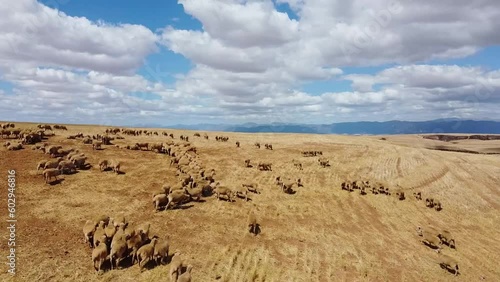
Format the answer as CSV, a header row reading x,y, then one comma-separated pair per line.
x,y
434,247
120,172
178,207
200,201
71,172
249,166
107,169
85,167
290,192
55,182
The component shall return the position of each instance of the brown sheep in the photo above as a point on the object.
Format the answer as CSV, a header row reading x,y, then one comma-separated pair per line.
x,y
161,250
41,165
241,191
50,173
429,238
446,238
175,266
115,166
103,164
135,241
118,248
177,198
146,253
223,190
194,193
52,163
88,232
186,276
66,166
160,200
448,263
252,223
96,145
99,255
251,187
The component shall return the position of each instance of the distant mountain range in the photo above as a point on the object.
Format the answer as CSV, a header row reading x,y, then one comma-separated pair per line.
x,y
363,127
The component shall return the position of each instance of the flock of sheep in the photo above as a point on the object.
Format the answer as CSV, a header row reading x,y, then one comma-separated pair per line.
x,y
431,237
114,240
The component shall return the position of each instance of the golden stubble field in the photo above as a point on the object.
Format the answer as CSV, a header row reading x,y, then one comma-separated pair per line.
x,y
321,233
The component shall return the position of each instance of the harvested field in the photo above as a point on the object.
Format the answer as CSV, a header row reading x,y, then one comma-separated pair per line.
x,y
320,233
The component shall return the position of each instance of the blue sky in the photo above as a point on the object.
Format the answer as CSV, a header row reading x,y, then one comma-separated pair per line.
x,y
187,61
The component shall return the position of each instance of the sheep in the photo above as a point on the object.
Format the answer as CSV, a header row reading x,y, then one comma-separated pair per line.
x,y
74,153
110,229
103,164
49,173
247,163
79,162
120,220
252,223
161,250
146,253
429,202
418,195
446,238
118,249
135,240
223,190
429,239
287,187
96,145
186,276
41,165
16,147
99,234
177,198
241,191
297,164
99,255
252,187
175,266
448,263
237,144
104,218
194,193
159,200
437,205
144,230
115,166
400,195
65,166
52,163
88,232
264,166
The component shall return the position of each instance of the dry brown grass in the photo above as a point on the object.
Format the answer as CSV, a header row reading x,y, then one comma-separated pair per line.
x,y
319,234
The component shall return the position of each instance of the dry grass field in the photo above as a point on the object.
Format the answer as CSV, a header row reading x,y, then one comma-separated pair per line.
x,y
320,233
